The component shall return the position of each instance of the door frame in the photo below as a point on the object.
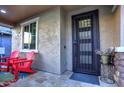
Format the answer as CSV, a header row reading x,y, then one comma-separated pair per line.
x,y
96,44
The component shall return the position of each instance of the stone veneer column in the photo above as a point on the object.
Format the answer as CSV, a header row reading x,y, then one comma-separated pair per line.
x,y
119,66
119,56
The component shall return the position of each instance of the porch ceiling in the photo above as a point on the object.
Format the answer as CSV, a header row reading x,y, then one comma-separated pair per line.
x,y
17,13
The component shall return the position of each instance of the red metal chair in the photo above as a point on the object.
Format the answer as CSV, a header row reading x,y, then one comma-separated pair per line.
x,y
23,64
9,60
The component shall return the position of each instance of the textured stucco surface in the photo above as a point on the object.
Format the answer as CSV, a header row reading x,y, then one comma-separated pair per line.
x,y
16,39
63,40
117,27
55,32
48,58
49,42
106,29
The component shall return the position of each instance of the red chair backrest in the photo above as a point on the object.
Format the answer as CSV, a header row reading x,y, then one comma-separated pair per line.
x,y
30,55
14,54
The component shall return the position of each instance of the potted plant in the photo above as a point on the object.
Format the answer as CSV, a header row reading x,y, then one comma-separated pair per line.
x,y
105,55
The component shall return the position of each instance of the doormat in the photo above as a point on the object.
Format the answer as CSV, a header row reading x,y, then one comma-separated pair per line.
x,y
85,78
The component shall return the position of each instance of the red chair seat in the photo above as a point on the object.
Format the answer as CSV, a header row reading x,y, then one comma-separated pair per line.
x,y
22,69
23,65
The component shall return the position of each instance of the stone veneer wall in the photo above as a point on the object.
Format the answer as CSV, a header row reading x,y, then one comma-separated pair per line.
x,y
119,69
48,58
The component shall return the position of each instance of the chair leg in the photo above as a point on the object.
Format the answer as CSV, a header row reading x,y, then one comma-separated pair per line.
x,y
7,68
12,71
16,74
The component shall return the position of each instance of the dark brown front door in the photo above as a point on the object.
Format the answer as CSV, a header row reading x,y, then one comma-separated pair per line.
x,y
85,41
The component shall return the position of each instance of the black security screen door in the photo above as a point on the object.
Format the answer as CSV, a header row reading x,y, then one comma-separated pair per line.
x,y
85,42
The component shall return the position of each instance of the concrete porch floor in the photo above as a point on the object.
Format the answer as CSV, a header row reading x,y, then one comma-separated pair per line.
x,y
44,79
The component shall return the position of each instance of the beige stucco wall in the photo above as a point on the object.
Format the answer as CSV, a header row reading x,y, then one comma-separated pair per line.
x,y
63,40
117,27
16,39
106,29
48,58
55,32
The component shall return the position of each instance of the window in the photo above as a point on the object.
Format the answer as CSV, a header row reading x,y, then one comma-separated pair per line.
x,y
29,35
85,23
